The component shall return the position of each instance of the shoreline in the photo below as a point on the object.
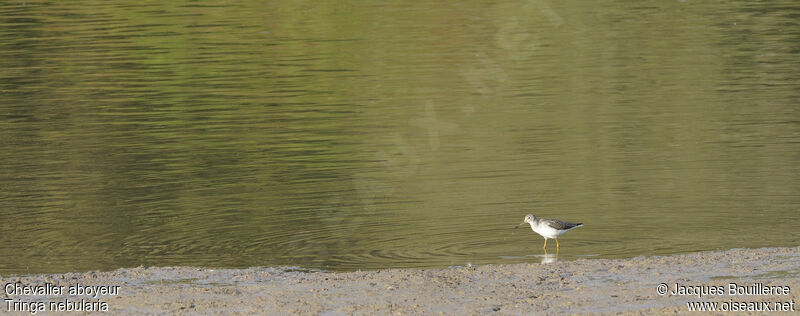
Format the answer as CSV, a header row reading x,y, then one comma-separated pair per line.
x,y
615,286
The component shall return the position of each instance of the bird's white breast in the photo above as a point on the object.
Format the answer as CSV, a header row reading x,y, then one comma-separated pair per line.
x,y
545,230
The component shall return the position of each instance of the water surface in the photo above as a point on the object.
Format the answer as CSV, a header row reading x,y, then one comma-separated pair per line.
x,y
343,135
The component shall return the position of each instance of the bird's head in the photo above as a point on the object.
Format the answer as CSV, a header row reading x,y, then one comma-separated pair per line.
x,y
530,219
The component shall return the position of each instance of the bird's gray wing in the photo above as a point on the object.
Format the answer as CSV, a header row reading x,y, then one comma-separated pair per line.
x,y
561,225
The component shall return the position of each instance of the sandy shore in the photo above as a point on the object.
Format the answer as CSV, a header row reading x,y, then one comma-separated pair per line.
x,y
603,286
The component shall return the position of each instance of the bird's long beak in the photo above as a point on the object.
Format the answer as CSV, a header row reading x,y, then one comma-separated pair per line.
x,y
518,225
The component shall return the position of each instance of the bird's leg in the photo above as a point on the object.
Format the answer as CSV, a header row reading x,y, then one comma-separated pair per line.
x,y
558,246
545,244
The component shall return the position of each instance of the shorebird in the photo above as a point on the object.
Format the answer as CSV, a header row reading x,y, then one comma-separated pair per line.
x,y
549,228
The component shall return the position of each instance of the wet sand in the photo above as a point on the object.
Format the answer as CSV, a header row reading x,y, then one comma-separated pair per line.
x,y
604,286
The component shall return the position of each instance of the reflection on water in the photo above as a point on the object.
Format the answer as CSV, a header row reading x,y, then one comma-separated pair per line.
x,y
549,258
348,136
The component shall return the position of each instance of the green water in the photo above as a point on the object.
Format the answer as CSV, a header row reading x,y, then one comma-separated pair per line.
x,y
352,135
